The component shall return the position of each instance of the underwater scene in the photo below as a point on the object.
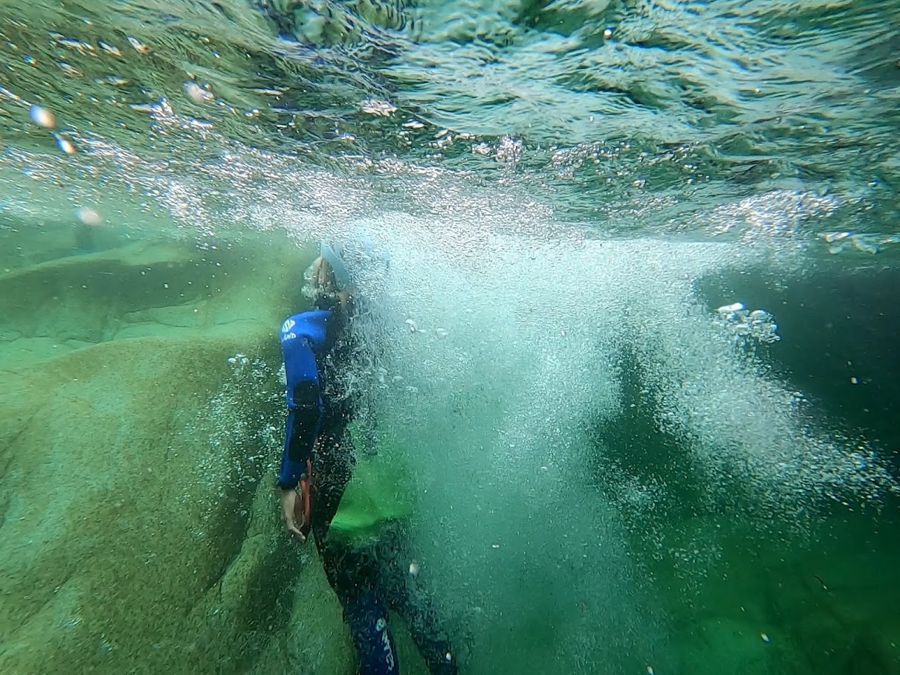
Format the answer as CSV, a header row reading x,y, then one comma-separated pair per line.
x,y
450,336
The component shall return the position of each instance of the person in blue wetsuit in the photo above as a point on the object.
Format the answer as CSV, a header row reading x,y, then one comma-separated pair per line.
x,y
370,574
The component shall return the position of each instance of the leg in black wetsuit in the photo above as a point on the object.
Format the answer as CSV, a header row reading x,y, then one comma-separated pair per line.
x,y
370,580
407,596
352,573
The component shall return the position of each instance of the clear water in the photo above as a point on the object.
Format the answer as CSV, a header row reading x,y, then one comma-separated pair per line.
x,y
614,472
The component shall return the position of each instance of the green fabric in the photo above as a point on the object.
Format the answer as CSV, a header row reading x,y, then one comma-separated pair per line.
x,y
379,491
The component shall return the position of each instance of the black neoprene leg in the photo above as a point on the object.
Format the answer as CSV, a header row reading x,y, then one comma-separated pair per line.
x,y
352,573
367,618
408,597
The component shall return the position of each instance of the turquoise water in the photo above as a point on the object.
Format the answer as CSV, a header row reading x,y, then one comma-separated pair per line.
x,y
615,468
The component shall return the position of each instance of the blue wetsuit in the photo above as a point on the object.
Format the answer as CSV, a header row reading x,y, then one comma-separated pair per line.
x,y
304,342
367,581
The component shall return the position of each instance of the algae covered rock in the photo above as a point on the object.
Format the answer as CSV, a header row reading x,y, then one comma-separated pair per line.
x,y
137,511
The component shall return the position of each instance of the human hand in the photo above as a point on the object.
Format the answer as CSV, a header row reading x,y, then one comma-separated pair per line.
x,y
292,513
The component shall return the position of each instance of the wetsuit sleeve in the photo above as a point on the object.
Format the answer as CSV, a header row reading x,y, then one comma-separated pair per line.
x,y
305,409
300,436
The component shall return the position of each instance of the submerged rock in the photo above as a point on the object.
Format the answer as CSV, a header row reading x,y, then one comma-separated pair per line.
x,y
138,520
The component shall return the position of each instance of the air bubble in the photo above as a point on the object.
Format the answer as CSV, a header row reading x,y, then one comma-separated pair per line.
x,y
42,117
65,144
197,94
376,107
88,216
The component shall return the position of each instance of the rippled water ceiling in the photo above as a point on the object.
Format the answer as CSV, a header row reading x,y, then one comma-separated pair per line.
x,y
634,114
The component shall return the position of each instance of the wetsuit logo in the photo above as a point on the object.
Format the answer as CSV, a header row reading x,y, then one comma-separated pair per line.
x,y
286,333
380,626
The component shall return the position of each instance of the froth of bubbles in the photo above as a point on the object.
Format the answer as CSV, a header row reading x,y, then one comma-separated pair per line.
x,y
378,107
757,325
535,336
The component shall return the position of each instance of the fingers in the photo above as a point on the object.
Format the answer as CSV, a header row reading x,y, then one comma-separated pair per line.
x,y
291,524
294,530
288,513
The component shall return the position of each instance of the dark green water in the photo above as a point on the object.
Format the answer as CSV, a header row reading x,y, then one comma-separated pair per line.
x,y
612,472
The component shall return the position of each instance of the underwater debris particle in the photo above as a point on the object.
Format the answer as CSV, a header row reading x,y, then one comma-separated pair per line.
x,y
765,637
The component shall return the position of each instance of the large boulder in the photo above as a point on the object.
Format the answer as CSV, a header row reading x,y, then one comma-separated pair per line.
x,y
137,511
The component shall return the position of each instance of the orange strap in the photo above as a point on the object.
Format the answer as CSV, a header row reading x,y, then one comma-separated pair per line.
x,y
306,494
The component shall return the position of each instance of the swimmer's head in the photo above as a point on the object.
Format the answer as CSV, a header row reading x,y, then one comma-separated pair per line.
x,y
326,280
